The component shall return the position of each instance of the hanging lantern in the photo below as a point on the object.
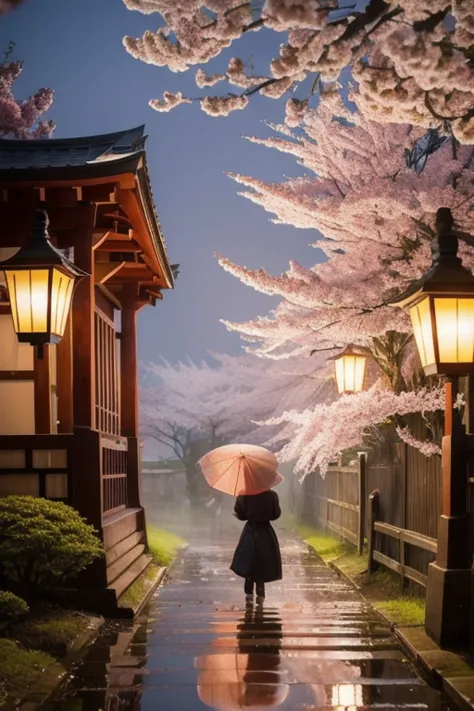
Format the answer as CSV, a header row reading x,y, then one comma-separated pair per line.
x,y
350,369
441,307
40,283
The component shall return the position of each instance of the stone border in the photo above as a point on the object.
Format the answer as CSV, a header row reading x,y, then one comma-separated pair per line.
x,y
445,670
131,612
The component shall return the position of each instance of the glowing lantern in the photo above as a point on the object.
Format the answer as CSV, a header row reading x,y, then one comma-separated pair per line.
x,y
40,282
350,369
441,307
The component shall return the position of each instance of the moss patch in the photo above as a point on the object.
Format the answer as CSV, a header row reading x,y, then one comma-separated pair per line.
x,y
19,667
53,631
382,588
404,610
137,590
163,545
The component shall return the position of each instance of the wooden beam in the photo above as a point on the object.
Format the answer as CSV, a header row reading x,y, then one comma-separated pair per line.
x,y
98,238
17,374
110,296
99,193
16,221
42,389
117,216
156,293
62,197
83,334
119,246
64,379
101,235
103,271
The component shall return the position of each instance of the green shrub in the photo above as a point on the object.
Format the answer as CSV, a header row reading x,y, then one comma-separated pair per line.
x,y
12,608
43,543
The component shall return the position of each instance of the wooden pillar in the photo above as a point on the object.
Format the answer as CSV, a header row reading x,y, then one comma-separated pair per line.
x,y
86,465
361,486
129,370
83,336
65,380
449,577
42,389
129,393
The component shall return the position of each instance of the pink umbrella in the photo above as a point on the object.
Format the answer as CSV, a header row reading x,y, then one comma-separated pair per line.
x,y
239,469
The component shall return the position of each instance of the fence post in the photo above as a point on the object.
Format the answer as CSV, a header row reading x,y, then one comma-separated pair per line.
x,y
373,512
361,477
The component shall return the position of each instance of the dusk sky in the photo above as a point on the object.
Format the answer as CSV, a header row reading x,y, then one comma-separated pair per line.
x,y
75,47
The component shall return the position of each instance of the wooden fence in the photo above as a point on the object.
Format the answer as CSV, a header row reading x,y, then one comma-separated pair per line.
x,y
337,502
404,537
409,506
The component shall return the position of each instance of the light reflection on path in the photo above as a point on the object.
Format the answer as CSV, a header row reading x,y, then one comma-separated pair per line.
x,y
314,646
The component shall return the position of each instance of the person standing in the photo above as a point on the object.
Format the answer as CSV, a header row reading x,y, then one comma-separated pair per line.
x,y
257,557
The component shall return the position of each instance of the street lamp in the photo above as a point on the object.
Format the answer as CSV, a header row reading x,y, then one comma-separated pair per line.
x,y
350,369
40,282
441,307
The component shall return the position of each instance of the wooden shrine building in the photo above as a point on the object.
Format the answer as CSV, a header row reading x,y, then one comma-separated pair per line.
x,y
69,420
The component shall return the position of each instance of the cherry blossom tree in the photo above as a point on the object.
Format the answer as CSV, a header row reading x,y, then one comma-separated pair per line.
x,y
377,221
193,408
411,59
324,431
21,118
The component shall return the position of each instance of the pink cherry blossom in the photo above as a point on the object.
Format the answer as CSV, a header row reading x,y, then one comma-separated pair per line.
x,y
22,118
168,102
412,59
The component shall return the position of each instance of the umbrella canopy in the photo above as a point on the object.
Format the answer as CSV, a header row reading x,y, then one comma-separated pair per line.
x,y
238,469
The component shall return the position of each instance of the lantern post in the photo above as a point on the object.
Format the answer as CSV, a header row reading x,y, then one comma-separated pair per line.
x,y
441,308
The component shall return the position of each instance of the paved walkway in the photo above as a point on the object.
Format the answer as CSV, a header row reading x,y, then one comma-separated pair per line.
x,y
314,645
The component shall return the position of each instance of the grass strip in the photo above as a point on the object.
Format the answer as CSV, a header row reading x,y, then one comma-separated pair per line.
x,y
382,588
163,545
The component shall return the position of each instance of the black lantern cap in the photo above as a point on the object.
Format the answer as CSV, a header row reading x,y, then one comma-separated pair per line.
x,y
447,274
39,251
352,350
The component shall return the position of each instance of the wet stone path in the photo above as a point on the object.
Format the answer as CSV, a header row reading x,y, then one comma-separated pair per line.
x,y
315,644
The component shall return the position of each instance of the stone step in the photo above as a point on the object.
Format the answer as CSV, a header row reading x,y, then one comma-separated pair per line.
x,y
124,562
129,575
122,547
120,525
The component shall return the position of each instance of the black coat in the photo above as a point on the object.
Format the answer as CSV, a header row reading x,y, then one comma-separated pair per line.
x,y
257,555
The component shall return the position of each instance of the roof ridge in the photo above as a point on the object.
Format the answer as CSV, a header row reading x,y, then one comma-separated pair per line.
x,y
111,138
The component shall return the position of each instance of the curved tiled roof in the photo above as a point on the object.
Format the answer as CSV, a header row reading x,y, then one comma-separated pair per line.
x,y
87,157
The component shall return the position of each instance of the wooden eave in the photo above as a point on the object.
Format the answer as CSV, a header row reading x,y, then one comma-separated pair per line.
x,y
132,194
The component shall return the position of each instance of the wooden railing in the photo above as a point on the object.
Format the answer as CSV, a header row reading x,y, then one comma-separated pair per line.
x,y
114,455
35,464
404,537
337,502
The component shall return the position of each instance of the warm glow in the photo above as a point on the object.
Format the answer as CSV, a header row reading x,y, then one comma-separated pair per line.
x,y
40,300
421,320
350,371
28,293
61,293
455,327
347,697
454,330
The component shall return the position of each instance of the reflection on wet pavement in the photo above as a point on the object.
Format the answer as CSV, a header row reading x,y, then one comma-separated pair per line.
x,y
314,644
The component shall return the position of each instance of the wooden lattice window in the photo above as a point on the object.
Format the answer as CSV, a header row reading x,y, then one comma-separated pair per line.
x,y
107,397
